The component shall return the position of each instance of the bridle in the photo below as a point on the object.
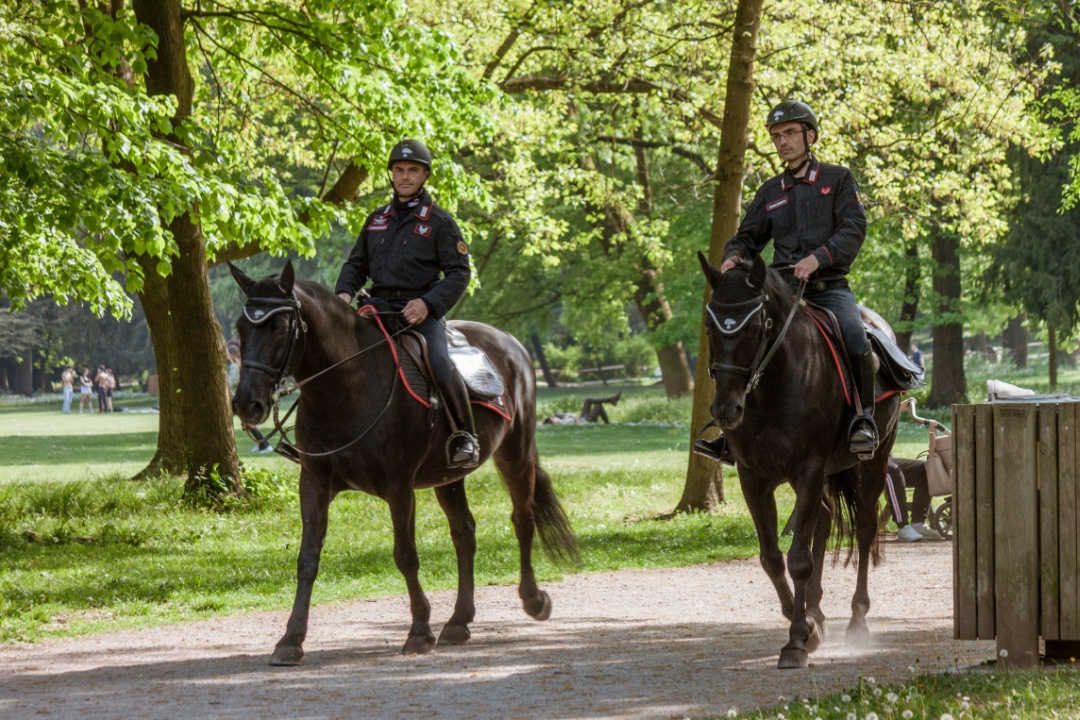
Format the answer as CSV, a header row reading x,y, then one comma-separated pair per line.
x,y
737,316
297,328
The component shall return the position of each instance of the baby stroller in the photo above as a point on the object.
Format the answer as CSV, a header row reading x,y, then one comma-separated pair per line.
x,y
938,464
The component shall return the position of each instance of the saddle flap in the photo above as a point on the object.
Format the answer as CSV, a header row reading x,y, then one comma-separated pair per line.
x,y
480,376
901,372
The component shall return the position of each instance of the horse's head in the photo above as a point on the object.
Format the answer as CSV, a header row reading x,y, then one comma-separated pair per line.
x,y
269,328
737,324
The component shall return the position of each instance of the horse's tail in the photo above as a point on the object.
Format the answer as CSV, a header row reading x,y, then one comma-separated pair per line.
x,y
556,535
844,497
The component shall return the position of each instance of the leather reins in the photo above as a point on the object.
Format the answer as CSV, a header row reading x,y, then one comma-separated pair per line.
x,y
297,326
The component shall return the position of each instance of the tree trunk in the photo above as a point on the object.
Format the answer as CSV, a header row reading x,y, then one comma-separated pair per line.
x,y
910,307
704,486
1051,341
23,382
541,357
194,397
1015,340
649,297
948,384
980,343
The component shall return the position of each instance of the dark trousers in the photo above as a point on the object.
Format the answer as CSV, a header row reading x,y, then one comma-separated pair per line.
x,y
842,303
434,332
904,473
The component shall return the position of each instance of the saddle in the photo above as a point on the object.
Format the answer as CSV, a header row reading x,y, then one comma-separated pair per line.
x,y
481,378
895,371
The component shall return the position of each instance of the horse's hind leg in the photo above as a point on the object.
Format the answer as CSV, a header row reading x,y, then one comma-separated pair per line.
x,y
866,530
463,532
521,477
314,503
814,590
402,503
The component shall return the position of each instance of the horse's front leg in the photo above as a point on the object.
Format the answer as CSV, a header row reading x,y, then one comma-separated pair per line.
x,y
314,503
761,503
800,563
402,501
814,591
455,505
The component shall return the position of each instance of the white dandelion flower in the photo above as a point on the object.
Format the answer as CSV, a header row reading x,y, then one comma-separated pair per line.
x,y
892,697
732,713
907,715
846,698
946,716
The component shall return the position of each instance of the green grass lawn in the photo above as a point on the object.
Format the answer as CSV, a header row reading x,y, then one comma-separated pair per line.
x,y
86,550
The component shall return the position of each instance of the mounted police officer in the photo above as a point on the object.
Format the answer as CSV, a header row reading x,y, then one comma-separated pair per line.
x,y
417,260
813,213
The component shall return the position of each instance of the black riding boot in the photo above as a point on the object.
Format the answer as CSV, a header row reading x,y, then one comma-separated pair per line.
x,y
715,449
462,447
863,435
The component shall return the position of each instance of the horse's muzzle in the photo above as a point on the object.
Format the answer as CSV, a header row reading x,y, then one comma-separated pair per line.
x,y
250,410
727,415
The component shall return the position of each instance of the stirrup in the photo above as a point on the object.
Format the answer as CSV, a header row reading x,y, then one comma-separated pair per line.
x,y
713,449
469,448
863,436
287,450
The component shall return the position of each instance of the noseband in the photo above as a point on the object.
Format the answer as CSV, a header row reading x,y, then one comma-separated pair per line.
x,y
736,317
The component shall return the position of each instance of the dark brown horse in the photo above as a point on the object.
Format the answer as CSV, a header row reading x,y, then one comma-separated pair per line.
x,y
357,429
780,401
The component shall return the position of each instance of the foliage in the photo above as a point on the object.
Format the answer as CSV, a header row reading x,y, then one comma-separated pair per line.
x,y
90,169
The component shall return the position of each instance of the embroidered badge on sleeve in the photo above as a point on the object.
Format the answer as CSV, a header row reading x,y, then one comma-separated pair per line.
x,y
462,247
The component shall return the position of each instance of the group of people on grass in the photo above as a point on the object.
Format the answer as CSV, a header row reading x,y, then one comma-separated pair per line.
x,y
103,382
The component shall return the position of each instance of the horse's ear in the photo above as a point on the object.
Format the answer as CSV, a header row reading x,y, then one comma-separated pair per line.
x,y
288,277
757,273
712,273
241,278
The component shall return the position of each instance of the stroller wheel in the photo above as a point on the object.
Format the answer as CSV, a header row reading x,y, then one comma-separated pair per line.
x,y
941,519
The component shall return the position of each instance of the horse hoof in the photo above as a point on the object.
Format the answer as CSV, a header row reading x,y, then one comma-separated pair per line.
x,y
287,655
418,644
858,636
792,658
539,610
817,635
454,635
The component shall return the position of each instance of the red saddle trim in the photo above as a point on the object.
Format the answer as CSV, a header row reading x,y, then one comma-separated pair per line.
x,y
840,366
368,311
836,359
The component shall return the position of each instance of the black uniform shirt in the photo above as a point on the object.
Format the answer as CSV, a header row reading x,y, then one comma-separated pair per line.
x,y
820,213
409,251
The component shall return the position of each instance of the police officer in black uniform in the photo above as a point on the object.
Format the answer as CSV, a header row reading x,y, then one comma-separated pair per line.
x,y
814,215
417,260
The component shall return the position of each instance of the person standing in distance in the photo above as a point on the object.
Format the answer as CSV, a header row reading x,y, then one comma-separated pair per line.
x,y
418,264
813,214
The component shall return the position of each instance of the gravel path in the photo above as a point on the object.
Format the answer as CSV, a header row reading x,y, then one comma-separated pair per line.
x,y
691,642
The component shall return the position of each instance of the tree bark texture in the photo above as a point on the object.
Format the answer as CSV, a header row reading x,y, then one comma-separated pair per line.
x,y
1051,343
1015,340
948,384
194,390
910,307
704,486
541,357
23,382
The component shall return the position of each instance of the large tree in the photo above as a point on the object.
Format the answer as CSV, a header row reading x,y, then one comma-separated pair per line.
x,y
149,144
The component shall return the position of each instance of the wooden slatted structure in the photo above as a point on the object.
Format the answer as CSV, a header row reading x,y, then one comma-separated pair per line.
x,y
1016,546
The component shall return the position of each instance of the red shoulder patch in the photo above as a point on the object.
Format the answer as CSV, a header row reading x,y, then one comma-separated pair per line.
x,y
422,230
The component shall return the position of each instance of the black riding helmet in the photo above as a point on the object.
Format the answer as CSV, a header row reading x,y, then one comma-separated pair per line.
x,y
412,151
792,111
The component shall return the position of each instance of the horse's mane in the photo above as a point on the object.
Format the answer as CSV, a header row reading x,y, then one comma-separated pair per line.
x,y
734,286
